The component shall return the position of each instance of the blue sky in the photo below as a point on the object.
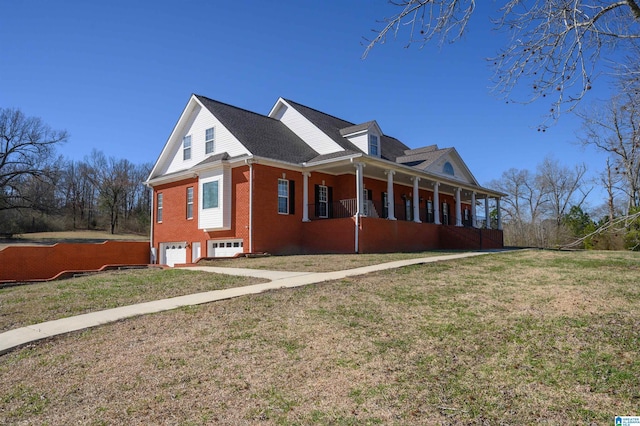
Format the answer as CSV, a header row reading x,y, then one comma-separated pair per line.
x,y
117,75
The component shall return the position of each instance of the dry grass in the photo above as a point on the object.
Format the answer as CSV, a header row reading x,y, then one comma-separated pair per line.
x,y
518,338
39,238
316,263
33,303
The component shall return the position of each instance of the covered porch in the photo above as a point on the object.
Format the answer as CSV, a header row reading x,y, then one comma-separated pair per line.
x,y
398,208
369,189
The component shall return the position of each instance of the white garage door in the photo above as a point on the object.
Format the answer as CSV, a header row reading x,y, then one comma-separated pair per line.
x,y
227,248
173,253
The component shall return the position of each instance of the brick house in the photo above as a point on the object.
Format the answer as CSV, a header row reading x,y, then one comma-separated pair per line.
x,y
231,181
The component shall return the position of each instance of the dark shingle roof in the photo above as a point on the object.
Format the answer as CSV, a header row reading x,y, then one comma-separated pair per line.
x,y
391,147
261,135
356,128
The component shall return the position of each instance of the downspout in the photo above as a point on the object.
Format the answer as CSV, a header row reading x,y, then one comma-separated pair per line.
x,y
250,163
152,255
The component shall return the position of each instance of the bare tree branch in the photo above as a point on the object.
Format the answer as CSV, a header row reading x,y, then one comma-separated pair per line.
x,y
555,48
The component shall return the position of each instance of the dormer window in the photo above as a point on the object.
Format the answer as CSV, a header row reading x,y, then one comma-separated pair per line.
x,y
374,145
448,169
186,148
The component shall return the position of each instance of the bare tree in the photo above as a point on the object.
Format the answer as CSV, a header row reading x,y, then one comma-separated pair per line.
x,y
26,152
555,45
523,206
111,178
615,130
564,187
536,203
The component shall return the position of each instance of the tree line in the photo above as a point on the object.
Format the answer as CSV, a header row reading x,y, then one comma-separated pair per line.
x,y
546,207
40,191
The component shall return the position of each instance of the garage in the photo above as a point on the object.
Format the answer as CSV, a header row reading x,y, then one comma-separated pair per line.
x,y
224,248
172,253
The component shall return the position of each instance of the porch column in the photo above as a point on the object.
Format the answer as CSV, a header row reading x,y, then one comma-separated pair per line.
x,y
487,220
499,214
474,223
305,196
391,209
416,200
458,208
359,189
436,204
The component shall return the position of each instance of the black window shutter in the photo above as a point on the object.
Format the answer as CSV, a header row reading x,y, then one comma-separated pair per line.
x,y
292,197
330,200
316,198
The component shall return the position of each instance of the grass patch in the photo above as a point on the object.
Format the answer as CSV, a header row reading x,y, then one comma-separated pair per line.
x,y
33,303
316,263
519,338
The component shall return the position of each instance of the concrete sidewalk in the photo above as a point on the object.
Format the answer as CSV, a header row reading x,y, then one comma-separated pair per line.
x,y
279,279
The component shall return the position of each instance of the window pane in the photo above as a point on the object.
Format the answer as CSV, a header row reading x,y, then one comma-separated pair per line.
x,y
186,148
189,202
373,145
448,169
283,187
283,196
210,195
209,136
322,201
159,209
282,205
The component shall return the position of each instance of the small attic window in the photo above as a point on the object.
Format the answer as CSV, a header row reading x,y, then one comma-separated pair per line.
x,y
448,169
374,145
186,147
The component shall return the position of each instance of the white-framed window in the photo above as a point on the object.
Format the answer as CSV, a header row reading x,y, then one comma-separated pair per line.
x,y
283,196
209,138
445,213
159,208
448,169
186,147
210,195
190,202
323,201
408,210
374,145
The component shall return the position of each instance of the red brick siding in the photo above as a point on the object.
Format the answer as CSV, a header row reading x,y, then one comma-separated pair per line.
x,y
386,236
329,236
274,232
286,233
24,263
175,226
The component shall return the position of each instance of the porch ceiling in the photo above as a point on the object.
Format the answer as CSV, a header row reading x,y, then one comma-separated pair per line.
x,y
374,171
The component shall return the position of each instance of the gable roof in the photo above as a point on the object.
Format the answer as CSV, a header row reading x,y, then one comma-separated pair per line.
x,y
422,157
263,136
359,128
334,126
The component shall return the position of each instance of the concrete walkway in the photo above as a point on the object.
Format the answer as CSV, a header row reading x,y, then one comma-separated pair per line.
x,y
279,279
